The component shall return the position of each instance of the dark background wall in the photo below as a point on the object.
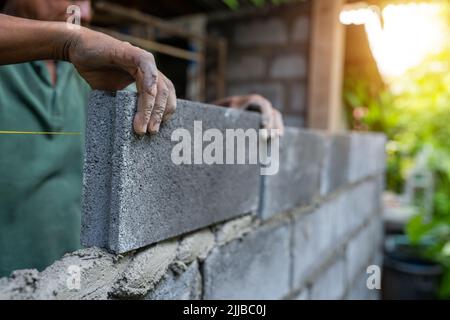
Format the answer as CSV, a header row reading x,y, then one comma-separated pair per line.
x,y
268,51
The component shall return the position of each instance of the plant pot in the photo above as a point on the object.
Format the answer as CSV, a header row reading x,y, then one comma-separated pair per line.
x,y
406,275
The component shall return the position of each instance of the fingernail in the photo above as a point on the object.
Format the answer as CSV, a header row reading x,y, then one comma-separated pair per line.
x,y
156,127
137,126
143,129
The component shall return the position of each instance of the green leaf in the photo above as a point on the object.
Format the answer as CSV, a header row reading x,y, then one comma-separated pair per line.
x,y
417,229
233,4
444,289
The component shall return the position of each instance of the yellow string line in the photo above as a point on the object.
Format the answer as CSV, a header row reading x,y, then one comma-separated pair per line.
x,y
43,132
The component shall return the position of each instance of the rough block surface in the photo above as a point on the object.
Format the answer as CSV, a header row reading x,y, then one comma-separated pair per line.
x,y
331,284
335,171
261,32
367,155
298,179
134,195
288,67
256,267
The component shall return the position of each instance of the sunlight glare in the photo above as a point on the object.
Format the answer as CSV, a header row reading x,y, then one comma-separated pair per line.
x,y
410,33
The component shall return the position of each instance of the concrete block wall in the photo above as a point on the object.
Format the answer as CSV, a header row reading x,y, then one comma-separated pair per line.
x,y
268,52
117,212
311,234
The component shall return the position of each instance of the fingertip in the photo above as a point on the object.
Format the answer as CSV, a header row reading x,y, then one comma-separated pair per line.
x,y
154,130
139,128
153,126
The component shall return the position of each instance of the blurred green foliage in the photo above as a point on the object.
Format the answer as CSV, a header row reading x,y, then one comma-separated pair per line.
x,y
414,113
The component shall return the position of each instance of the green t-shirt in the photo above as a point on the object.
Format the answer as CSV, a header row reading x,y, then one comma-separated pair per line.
x,y
40,175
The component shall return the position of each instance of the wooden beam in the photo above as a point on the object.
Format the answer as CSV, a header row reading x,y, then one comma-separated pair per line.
x,y
155,46
221,69
137,16
326,67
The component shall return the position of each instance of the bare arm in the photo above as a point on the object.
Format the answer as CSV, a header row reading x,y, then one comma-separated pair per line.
x,y
104,62
24,40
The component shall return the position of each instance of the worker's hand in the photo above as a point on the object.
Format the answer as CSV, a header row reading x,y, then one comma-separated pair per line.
x,y
271,117
109,64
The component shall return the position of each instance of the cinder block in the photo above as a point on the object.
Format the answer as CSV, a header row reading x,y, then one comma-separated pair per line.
x,y
315,234
246,67
297,97
362,250
367,155
318,234
362,203
186,286
260,32
297,182
255,267
304,248
302,295
134,195
294,121
300,30
359,290
335,170
331,284
288,67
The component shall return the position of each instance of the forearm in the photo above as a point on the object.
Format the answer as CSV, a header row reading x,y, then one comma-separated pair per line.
x,y
23,40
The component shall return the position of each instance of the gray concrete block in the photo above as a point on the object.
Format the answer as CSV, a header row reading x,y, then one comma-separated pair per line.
x,y
134,195
318,234
246,67
297,182
185,286
292,66
256,267
304,248
302,295
363,249
97,170
260,32
367,155
312,239
362,203
335,170
330,285
358,289
297,98
300,30
294,121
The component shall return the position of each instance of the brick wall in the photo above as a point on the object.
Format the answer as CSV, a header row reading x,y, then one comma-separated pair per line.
x,y
217,232
268,55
